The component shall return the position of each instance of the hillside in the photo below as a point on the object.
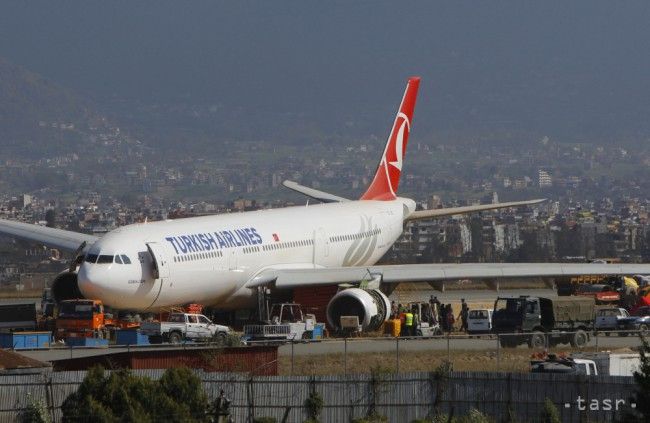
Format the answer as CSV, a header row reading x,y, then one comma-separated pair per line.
x,y
37,116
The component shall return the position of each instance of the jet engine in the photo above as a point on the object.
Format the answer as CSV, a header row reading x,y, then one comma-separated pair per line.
x,y
371,306
65,286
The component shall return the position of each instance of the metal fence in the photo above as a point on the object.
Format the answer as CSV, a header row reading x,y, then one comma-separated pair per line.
x,y
356,354
399,397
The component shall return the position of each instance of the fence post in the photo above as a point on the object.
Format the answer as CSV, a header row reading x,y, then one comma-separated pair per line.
x,y
448,349
251,400
49,397
397,355
345,356
292,357
498,353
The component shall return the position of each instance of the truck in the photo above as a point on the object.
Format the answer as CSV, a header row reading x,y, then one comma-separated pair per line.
x,y
536,320
18,316
609,319
82,318
590,364
286,322
639,321
557,364
479,321
183,326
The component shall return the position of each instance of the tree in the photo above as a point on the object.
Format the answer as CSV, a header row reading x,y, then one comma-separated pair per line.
x,y
123,397
34,412
313,406
550,414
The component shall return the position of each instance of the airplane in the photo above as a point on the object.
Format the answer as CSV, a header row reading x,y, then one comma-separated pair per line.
x,y
225,259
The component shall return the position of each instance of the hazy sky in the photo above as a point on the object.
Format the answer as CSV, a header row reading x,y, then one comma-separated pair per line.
x,y
565,68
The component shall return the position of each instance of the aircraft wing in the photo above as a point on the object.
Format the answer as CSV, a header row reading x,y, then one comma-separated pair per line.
x,y
434,213
323,196
57,238
290,278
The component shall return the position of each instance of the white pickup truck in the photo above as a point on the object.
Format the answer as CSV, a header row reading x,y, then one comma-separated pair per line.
x,y
182,326
608,319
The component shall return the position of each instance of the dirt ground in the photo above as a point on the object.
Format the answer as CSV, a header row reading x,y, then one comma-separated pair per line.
x,y
409,361
506,360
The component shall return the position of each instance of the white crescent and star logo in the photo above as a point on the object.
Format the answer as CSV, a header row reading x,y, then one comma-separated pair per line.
x,y
399,142
398,146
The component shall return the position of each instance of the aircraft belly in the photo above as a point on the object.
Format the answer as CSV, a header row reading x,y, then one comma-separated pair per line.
x,y
200,286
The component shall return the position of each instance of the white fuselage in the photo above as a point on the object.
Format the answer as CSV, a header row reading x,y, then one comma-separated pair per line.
x,y
209,260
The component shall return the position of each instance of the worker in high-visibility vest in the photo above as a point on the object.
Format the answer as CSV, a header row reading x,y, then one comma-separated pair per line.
x,y
408,323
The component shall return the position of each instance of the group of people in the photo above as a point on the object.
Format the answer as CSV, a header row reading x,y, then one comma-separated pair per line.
x,y
409,318
438,313
446,315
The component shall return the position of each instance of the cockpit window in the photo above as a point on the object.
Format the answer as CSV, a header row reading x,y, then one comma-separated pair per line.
x,y
125,259
102,259
91,258
118,260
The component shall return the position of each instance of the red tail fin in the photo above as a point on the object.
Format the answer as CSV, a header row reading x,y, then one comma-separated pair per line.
x,y
384,185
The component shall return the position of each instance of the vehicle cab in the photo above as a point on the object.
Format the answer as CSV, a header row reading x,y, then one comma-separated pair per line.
x,y
610,318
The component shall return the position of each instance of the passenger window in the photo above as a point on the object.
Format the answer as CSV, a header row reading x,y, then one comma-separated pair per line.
x,y
125,259
203,319
118,260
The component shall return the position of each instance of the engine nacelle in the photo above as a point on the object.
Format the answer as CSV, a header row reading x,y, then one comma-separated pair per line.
x,y
65,286
371,306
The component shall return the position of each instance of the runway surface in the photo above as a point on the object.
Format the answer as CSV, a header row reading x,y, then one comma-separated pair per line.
x,y
353,345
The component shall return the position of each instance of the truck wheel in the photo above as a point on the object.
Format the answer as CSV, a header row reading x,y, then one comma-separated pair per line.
x,y
579,339
537,340
175,338
507,342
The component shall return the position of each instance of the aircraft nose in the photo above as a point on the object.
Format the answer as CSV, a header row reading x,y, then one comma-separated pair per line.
x,y
113,286
93,281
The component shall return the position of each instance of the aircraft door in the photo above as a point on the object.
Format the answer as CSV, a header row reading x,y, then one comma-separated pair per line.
x,y
160,267
321,247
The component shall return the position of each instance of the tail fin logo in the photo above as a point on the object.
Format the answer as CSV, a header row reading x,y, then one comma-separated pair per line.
x,y
399,142
386,181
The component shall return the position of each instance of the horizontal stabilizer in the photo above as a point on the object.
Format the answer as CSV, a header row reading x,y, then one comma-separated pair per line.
x,y
314,193
432,214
